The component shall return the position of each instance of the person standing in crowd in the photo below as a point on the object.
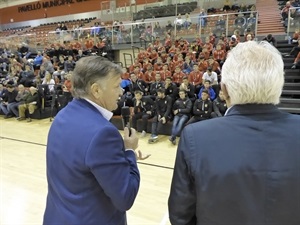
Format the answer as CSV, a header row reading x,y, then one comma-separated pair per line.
x,y
246,171
92,173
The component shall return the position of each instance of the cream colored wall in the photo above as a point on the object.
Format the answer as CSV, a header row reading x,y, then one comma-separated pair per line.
x,y
119,57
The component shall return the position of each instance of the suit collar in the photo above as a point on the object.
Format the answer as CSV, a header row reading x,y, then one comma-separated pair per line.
x,y
252,109
87,104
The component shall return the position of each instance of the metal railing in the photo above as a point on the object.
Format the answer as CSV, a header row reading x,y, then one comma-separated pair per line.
x,y
143,32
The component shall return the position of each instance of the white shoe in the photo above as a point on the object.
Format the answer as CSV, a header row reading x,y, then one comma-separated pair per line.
x,y
143,134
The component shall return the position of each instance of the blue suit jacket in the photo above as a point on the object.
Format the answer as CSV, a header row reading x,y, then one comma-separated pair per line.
x,y
241,169
91,179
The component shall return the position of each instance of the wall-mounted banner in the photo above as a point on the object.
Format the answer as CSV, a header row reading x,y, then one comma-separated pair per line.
x,y
47,4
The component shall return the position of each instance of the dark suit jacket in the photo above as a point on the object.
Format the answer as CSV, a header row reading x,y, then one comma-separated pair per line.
x,y
91,179
241,169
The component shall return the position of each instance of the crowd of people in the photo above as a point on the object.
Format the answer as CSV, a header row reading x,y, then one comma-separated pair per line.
x,y
170,65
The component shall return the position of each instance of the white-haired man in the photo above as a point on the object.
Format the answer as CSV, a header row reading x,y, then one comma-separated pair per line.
x,y
247,170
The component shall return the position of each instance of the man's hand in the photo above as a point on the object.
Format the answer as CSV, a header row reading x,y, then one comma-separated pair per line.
x,y
139,155
176,111
130,142
163,120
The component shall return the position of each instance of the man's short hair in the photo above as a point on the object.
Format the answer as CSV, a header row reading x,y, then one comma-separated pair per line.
x,y
161,90
89,70
261,82
207,81
138,92
205,91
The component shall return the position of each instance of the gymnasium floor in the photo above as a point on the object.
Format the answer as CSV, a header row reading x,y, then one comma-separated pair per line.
x,y
23,185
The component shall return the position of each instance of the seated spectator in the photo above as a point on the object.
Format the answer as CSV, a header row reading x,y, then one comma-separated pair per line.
x,y
42,72
195,78
171,89
294,52
169,26
143,109
240,21
3,92
181,110
37,61
149,75
48,65
188,66
178,75
202,108
164,73
249,37
187,21
178,22
227,5
249,32
30,103
211,76
269,38
296,64
79,55
14,107
157,84
8,99
285,11
137,84
233,41
69,64
202,21
49,81
219,55
209,89
23,50
59,73
251,22
67,86
219,106
162,114
27,77
158,66
220,26
189,88
296,37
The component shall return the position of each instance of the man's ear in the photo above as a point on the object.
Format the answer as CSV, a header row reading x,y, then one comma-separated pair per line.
x,y
225,92
226,95
96,90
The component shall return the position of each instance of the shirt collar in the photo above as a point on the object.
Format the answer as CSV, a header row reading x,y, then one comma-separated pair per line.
x,y
104,112
227,110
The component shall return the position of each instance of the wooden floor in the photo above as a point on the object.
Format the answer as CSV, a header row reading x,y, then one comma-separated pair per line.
x,y
23,185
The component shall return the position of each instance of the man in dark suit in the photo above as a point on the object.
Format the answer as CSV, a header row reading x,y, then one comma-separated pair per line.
x,y
92,173
243,168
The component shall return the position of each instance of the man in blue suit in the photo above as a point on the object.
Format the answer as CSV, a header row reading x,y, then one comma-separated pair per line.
x,y
243,168
92,173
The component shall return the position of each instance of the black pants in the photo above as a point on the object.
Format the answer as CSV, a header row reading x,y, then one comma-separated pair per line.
x,y
141,115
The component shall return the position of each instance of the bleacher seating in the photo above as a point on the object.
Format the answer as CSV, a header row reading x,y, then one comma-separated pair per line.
x,y
165,11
